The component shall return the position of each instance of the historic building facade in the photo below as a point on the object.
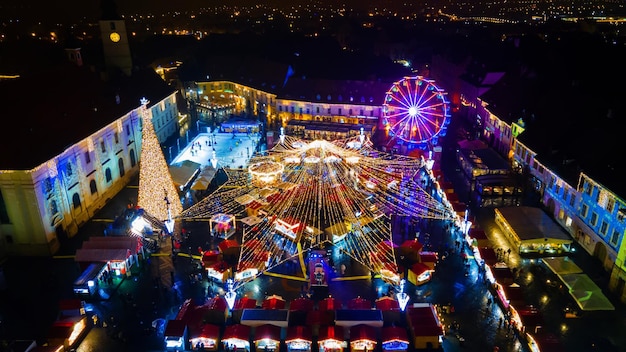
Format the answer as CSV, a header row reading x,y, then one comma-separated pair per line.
x,y
53,199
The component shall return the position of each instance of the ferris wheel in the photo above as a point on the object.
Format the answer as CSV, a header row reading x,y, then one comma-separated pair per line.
x,y
415,110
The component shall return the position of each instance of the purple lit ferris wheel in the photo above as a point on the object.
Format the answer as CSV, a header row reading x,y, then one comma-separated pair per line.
x,y
415,110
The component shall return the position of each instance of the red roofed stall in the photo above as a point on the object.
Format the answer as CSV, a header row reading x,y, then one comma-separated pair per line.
x,y
237,336
331,338
362,338
267,338
395,339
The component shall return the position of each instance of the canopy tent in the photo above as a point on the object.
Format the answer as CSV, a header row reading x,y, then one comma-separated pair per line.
x,y
183,172
237,335
562,265
245,302
532,230
329,303
301,304
298,333
386,303
359,303
273,302
394,337
586,293
362,335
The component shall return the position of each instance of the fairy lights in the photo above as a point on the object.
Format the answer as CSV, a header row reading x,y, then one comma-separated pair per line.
x,y
316,192
156,188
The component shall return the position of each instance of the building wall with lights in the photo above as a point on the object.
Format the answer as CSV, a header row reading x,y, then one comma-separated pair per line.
x,y
52,200
591,213
241,99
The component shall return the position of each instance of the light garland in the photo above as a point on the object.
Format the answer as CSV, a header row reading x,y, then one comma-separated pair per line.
x,y
156,187
324,201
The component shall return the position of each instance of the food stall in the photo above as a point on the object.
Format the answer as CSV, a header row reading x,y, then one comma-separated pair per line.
x,y
331,338
175,335
206,339
267,338
236,337
299,339
395,339
362,338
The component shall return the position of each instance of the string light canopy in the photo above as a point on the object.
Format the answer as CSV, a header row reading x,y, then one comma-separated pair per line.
x,y
157,194
306,194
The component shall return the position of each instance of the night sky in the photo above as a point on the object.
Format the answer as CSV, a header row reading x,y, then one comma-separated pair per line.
x,y
73,9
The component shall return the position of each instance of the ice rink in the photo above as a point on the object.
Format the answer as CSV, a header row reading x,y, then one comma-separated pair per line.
x,y
227,149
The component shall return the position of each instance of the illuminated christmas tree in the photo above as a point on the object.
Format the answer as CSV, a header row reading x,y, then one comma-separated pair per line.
x,y
157,194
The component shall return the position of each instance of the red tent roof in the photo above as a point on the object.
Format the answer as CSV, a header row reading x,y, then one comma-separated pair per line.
x,y
299,333
419,268
387,303
217,303
394,333
245,302
301,303
237,331
329,303
227,244
210,257
319,317
333,332
362,332
206,330
414,245
478,234
175,328
426,329
267,331
273,302
488,255
359,303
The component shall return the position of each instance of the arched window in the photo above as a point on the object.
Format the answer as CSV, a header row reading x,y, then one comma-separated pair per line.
x,y
76,200
120,165
107,175
93,187
133,158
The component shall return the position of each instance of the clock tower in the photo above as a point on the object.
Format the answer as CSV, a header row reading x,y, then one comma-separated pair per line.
x,y
114,39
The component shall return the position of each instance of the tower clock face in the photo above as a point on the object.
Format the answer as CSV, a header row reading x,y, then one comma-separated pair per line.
x,y
115,37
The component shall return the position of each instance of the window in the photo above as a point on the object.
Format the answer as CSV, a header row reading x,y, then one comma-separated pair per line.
x,y
76,200
328,111
339,111
317,110
117,138
87,158
68,170
594,219
128,130
614,237
565,195
350,112
572,200
107,175
112,25
584,210
102,146
603,228
610,205
93,187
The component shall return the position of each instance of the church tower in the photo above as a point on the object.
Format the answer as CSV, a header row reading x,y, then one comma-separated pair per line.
x,y
114,39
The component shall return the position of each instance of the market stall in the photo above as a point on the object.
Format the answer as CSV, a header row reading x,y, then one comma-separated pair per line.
x,y
395,339
299,339
206,338
68,331
237,337
332,338
267,338
362,338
